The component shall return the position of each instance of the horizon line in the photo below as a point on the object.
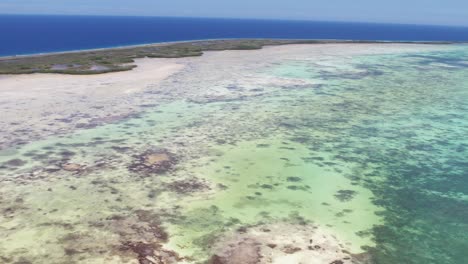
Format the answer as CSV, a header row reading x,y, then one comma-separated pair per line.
x,y
239,18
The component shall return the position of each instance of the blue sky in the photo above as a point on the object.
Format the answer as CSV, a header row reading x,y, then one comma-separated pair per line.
x,y
438,12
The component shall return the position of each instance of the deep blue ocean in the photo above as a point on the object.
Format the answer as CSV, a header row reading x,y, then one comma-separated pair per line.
x,y
29,34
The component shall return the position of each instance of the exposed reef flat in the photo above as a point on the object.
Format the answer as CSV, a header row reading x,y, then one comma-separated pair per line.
x,y
64,103
325,153
61,103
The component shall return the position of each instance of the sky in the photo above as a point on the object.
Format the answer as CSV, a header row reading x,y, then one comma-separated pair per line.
x,y
432,12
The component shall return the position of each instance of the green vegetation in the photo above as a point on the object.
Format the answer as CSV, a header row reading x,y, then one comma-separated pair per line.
x,y
121,59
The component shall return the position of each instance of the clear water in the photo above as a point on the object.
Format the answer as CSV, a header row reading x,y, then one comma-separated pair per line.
x,y
377,152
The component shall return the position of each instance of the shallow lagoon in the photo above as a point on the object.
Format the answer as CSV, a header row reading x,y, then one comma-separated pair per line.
x,y
370,149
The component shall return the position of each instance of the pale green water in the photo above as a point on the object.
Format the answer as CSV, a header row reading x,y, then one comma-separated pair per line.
x,y
377,153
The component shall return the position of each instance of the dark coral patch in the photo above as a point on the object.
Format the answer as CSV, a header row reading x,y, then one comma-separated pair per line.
x,y
73,167
15,162
121,149
294,179
66,153
154,224
290,249
298,188
345,195
151,253
266,186
187,186
157,161
246,252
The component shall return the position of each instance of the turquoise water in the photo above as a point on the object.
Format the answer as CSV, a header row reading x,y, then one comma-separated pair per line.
x,y
375,152
404,130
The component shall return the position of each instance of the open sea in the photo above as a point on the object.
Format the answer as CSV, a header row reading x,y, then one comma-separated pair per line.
x,y
30,34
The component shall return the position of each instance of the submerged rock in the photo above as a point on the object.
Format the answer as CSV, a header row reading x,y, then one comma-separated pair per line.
x,y
15,162
72,167
345,195
246,252
283,243
188,186
152,253
153,162
138,237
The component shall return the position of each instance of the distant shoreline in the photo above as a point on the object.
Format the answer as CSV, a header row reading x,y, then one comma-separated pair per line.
x,y
103,49
44,35
313,41
113,59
